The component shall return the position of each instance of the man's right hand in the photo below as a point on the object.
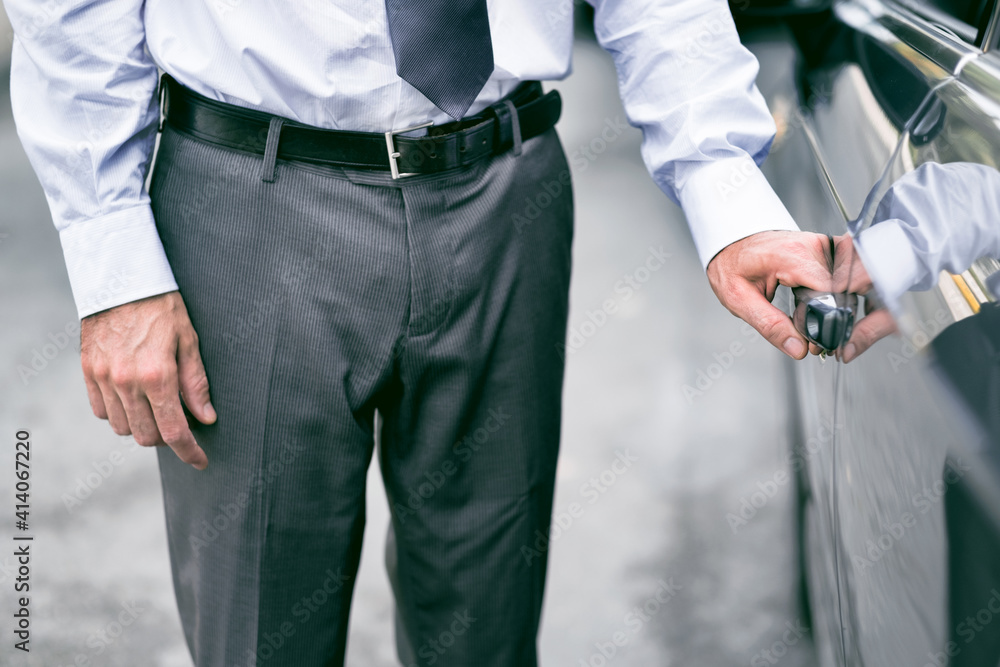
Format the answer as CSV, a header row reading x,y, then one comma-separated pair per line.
x,y
745,274
139,359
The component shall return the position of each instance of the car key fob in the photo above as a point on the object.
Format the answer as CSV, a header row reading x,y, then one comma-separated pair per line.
x,y
824,318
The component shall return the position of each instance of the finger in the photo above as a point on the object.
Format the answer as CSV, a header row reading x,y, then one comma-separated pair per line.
x,y
859,282
871,329
814,348
843,257
140,418
93,371
849,274
802,264
752,307
116,411
173,426
95,397
194,381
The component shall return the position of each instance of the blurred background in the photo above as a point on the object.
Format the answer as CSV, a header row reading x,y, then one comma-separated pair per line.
x,y
657,381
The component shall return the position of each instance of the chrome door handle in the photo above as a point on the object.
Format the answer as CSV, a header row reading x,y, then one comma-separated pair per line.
x,y
824,318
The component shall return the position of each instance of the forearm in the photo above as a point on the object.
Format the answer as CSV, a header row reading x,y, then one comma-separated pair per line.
x,y
688,83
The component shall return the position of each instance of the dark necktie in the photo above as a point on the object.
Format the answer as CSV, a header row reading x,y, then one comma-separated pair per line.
x,y
443,49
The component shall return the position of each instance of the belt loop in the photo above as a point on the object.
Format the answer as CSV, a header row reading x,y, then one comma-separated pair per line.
x,y
505,128
515,123
271,150
161,95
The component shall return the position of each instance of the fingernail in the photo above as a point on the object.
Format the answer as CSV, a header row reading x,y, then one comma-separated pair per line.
x,y
200,466
210,412
794,347
849,352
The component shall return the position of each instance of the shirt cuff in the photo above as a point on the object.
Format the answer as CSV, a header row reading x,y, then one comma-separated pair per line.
x,y
727,200
114,259
889,258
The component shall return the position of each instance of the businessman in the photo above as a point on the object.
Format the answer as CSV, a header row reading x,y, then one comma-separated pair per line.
x,y
345,216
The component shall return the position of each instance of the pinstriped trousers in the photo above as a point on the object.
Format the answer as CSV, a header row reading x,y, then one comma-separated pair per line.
x,y
438,300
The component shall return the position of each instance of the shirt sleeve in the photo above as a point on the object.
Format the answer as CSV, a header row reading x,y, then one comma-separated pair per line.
x,y
688,83
83,95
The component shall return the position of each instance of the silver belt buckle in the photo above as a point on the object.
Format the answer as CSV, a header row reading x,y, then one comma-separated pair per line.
x,y
390,145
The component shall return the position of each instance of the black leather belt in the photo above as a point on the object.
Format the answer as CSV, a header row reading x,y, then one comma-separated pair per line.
x,y
447,146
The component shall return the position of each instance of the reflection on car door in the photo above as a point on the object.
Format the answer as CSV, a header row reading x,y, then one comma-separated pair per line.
x,y
876,433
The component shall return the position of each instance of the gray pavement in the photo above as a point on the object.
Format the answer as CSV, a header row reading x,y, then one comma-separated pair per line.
x,y
645,569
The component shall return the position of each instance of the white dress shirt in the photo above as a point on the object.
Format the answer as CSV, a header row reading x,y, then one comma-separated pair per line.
x,y
84,74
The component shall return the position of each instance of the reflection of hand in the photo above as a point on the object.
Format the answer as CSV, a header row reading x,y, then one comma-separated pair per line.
x,y
745,275
850,275
872,328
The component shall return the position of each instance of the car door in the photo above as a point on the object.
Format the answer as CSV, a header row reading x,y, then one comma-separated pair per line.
x,y
891,464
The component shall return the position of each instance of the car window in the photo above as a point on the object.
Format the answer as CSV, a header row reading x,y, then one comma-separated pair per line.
x,y
966,19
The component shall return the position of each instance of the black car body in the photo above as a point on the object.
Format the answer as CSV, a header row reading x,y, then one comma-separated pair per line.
x,y
898,451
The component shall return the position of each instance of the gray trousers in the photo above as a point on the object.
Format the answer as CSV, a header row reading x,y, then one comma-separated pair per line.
x,y
441,302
